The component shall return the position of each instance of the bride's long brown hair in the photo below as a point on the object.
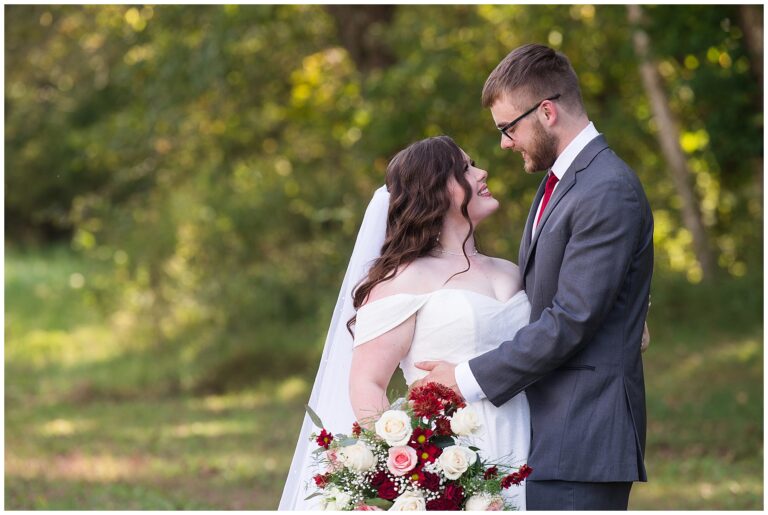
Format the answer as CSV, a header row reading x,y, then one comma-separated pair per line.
x,y
417,180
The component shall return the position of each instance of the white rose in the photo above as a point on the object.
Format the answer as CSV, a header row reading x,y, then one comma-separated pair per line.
x,y
394,426
334,499
484,502
410,501
465,422
455,460
357,457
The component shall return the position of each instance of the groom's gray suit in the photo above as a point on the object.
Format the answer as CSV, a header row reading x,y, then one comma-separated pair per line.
x,y
587,272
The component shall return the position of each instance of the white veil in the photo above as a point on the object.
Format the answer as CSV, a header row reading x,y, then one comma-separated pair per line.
x,y
330,393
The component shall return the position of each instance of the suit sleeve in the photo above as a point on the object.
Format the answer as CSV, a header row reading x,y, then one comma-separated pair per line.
x,y
606,226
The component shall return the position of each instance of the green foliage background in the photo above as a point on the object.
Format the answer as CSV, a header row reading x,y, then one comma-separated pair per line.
x,y
184,183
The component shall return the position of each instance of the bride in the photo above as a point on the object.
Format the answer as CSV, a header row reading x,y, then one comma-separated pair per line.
x,y
417,289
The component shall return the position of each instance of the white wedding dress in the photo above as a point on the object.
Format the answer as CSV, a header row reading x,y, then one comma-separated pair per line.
x,y
455,325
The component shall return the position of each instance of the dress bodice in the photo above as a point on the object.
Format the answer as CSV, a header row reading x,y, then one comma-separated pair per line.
x,y
452,324
455,325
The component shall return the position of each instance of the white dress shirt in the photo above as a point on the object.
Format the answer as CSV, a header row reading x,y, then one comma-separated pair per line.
x,y
465,380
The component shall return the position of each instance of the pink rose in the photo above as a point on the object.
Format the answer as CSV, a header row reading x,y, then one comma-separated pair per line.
x,y
365,507
401,459
496,505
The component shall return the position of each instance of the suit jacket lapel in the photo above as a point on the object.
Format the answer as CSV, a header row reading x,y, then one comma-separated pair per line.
x,y
526,243
582,160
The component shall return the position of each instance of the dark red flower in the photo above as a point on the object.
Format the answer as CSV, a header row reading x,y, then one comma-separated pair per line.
x,y
491,472
428,453
420,437
430,482
454,492
379,478
387,490
443,426
515,478
525,471
325,439
511,479
417,474
321,480
443,504
433,399
356,429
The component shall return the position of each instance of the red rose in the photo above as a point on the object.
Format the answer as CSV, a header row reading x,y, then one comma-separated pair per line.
x,y
321,480
356,429
325,439
387,490
491,472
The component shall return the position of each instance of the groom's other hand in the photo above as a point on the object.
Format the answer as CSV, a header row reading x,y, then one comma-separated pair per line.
x,y
439,372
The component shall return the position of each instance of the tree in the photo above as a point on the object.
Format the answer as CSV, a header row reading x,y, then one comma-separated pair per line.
x,y
669,138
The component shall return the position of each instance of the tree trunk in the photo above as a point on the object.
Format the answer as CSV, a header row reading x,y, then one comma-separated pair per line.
x,y
751,21
669,139
355,26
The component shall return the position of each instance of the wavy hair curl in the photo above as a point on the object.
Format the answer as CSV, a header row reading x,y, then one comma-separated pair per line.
x,y
417,180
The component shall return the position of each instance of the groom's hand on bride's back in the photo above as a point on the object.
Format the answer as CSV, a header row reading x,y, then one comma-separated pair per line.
x,y
439,372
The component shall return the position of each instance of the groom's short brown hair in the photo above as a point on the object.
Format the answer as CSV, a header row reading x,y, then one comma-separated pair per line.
x,y
532,73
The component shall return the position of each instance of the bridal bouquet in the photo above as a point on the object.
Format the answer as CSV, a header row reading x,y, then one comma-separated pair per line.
x,y
412,460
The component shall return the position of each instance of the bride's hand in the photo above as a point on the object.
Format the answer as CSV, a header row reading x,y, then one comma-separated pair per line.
x,y
646,340
439,372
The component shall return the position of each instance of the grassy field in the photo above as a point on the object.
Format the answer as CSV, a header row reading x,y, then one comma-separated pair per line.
x,y
69,445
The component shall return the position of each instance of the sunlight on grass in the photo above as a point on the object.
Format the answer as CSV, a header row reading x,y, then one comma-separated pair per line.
x,y
85,429
293,389
100,468
64,427
81,345
211,429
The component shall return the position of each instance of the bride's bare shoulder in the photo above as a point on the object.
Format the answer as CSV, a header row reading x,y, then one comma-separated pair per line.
x,y
507,272
414,278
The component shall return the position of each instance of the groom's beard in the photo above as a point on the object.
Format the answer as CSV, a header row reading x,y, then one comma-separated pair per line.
x,y
543,151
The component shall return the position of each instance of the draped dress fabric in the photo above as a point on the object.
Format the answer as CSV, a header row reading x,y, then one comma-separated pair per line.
x,y
455,325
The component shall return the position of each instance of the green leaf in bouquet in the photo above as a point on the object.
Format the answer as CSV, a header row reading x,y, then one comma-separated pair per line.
x,y
315,419
442,441
316,494
379,503
346,441
476,449
319,450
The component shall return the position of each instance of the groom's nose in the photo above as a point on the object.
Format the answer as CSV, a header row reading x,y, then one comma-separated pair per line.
x,y
507,143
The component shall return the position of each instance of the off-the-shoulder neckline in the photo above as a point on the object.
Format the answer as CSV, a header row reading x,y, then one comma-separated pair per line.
x,y
465,290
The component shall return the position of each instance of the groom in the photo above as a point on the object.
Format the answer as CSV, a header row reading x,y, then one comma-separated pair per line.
x,y
586,260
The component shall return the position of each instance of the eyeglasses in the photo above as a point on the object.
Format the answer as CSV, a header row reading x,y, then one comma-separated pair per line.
x,y
511,124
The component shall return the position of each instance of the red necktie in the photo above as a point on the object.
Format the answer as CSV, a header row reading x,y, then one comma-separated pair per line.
x,y
548,189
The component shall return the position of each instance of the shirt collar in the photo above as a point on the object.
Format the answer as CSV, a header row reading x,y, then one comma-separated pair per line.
x,y
577,144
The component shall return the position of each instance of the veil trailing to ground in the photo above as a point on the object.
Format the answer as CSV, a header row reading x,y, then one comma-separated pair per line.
x,y
330,393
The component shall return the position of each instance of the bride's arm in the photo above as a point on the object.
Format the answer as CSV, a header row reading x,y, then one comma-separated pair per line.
x,y
373,364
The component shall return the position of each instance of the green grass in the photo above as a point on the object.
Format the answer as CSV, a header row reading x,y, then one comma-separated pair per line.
x,y
71,442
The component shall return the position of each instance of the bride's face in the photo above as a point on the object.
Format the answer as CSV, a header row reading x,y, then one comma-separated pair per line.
x,y
481,201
